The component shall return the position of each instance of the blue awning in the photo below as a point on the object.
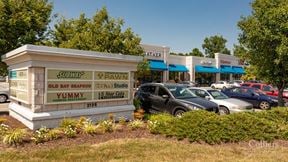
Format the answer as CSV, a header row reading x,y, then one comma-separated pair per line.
x,y
206,69
178,68
226,69
157,65
238,70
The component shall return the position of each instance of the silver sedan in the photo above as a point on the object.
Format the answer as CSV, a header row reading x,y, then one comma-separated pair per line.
x,y
226,105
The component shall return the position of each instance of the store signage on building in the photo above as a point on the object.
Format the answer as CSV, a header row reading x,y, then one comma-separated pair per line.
x,y
225,62
154,54
205,62
80,86
19,84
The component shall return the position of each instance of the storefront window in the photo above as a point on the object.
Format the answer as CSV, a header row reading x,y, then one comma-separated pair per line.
x,y
225,76
155,76
237,76
173,75
205,79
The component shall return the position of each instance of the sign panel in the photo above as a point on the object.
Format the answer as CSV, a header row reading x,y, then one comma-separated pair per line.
x,y
69,75
102,85
65,86
19,84
69,85
101,75
111,95
18,74
68,96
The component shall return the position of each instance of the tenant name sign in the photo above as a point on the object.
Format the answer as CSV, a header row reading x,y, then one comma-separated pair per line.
x,y
111,85
80,86
19,84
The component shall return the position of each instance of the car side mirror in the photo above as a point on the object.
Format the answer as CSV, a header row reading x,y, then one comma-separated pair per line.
x,y
272,91
207,98
165,96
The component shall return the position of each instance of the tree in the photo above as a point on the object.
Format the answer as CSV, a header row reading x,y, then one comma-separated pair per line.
x,y
196,52
143,68
215,44
239,51
101,33
265,35
22,22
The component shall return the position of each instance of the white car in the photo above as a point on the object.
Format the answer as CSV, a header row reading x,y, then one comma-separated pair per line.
x,y
235,83
221,85
226,105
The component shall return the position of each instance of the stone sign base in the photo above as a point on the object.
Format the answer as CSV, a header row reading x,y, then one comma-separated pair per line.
x,y
52,119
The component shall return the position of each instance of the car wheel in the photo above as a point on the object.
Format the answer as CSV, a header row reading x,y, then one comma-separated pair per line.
x,y
213,87
224,87
3,98
264,105
179,112
223,111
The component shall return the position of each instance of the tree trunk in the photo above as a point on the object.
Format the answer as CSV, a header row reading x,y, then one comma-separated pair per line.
x,y
280,87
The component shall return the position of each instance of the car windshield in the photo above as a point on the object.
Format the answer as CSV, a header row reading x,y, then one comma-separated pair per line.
x,y
217,95
180,92
257,91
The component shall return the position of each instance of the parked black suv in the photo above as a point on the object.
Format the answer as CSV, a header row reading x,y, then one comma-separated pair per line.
x,y
173,98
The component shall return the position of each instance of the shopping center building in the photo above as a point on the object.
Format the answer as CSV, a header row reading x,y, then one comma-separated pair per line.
x,y
203,70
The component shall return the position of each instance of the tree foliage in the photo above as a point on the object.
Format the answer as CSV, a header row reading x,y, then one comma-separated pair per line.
x,y
22,22
239,51
196,52
265,35
215,44
143,68
100,33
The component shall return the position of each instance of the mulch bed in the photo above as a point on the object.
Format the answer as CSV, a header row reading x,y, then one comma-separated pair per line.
x,y
78,140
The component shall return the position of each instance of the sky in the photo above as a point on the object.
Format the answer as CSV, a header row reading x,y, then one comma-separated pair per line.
x,y
179,24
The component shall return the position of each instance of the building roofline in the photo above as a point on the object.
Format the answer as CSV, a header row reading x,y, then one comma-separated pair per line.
x,y
53,51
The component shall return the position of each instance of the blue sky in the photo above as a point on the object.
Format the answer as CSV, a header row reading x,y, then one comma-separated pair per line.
x,y
179,24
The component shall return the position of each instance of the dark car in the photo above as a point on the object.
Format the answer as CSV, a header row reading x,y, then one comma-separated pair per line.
x,y
268,89
252,95
172,98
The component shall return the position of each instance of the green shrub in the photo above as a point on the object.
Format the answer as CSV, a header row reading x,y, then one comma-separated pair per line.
x,y
247,126
278,114
198,126
70,131
137,103
81,123
40,135
54,134
68,123
107,125
160,123
136,124
3,129
89,128
14,137
122,120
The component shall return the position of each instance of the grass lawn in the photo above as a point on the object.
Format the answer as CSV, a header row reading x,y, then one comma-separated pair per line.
x,y
152,150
